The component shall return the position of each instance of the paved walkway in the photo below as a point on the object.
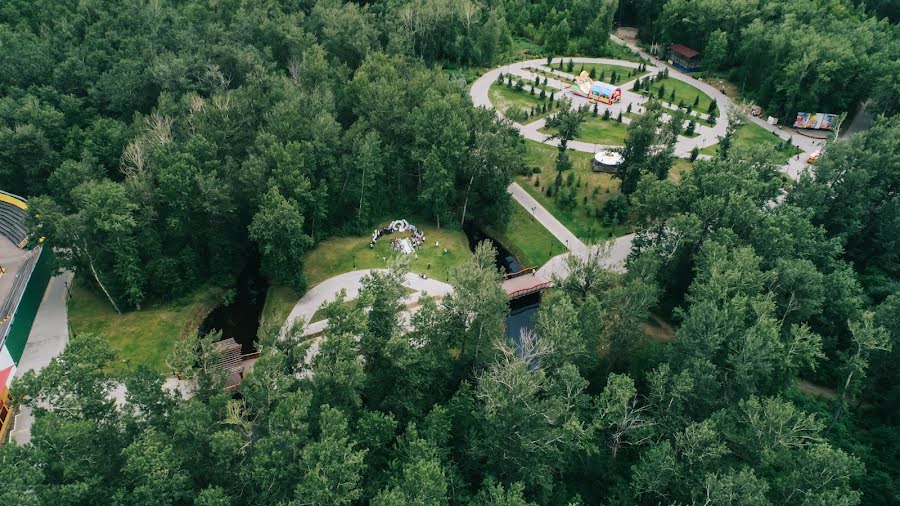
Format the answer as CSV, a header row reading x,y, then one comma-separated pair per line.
x,y
708,135
351,282
793,168
47,339
562,234
531,131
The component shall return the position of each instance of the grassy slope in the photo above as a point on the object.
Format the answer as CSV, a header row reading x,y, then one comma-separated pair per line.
x,y
607,69
596,130
503,98
335,256
751,134
145,336
683,91
576,220
527,239
280,300
682,166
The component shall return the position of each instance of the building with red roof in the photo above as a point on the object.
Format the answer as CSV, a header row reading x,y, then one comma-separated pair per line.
x,y
683,57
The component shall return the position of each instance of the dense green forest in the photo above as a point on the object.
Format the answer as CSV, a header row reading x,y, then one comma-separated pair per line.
x,y
789,55
161,142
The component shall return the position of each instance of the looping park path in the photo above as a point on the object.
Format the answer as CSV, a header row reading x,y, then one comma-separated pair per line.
x,y
708,135
616,251
351,283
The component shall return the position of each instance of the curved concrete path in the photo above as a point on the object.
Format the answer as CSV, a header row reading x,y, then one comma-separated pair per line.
x,y
531,131
708,135
794,167
351,282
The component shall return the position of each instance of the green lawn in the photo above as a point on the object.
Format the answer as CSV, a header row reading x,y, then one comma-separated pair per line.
x,y
524,49
545,74
606,71
503,97
280,300
146,336
336,256
751,134
527,239
683,91
599,131
577,220
682,166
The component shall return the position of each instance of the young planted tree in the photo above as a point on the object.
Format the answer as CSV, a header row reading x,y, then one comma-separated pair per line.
x,y
735,121
566,123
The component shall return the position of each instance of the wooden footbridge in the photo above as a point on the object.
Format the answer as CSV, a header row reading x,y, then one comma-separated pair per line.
x,y
525,282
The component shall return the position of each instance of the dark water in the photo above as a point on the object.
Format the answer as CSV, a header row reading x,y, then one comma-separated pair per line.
x,y
521,310
505,260
240,319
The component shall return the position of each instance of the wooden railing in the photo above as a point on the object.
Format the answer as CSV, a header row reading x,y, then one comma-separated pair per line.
x,y
527,270
530,290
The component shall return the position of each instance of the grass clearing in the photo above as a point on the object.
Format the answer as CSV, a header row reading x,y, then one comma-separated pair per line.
x,y
280,299
146,336
503,98
683,91
524,49
681,167
751,134
579,219
597,130
603,72
343,254
527,239
547,75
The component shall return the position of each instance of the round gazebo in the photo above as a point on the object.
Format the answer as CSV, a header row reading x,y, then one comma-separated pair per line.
x,y
607,161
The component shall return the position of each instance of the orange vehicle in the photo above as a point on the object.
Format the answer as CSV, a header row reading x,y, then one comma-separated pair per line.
x,y
814,156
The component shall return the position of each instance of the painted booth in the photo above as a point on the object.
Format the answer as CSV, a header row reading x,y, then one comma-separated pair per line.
x,y
596,90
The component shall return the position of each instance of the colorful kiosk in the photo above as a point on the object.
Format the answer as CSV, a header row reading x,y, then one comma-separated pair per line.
x,y
596,90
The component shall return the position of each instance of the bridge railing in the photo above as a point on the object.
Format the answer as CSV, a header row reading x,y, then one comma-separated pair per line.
x,y
527,270
530,290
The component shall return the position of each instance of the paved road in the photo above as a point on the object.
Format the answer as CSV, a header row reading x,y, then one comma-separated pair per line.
x,y
480,97
351,282
614,253
793,168
708,135
47,339
567,238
